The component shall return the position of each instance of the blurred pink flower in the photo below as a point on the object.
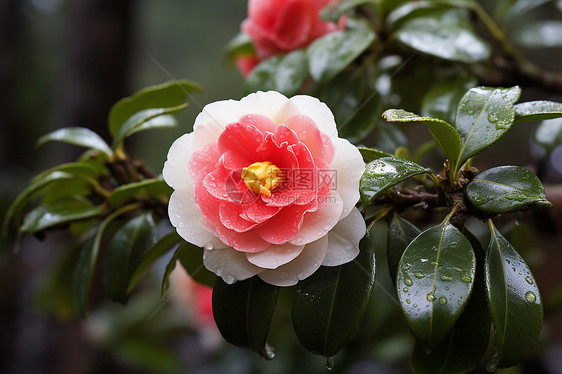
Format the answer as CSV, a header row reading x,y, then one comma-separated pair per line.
x,y
265,185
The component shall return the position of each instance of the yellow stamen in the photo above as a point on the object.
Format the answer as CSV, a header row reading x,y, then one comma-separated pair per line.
x,y
262,177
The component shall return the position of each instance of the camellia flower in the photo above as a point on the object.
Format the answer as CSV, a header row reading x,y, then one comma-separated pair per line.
x,y
281,26
266,187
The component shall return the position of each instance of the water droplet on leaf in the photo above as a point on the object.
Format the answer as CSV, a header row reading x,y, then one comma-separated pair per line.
x,y
442,301
418,275
530,296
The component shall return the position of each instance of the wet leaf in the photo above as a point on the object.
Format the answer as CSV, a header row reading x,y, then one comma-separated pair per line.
x,y
445,135
484,115
79,136
240,45
328,306
400,233
370,154
549,134
154,188
514,302
537,110
506,189
434,281
124,253
243,313
332,53
191,258
383,173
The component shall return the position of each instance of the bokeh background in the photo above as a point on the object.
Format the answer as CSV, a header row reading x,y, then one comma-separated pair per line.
x,y
64,63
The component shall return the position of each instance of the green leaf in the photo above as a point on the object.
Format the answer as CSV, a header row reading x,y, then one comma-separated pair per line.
x,y
79,136
445,135
332,53
84,271
60,212
518,8
191,258
514,301
283,73
333,11
147,119
168,271
549,134
328,306
506,189
79,169
124,253
155,188
165,95
463,348
370,154
443,97
484,115
400,233
243,312
537,110
240,45
542,34
27,194
434,282
383,173
442,39
148,258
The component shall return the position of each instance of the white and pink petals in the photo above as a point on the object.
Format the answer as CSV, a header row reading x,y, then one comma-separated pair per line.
x,y
212,121
186,217
349,167
318,112
271,104
275,255
301,267
317,224
175,167
343,239
229,264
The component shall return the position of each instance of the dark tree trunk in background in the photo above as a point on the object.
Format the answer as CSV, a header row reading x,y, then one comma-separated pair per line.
x,y
97,61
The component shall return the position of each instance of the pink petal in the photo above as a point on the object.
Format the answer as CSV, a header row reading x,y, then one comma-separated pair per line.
x,y
318,143
275,255
258,211
248,241
243,139
203,161
259,121
285,225
230,216
283,134
207,203
293,24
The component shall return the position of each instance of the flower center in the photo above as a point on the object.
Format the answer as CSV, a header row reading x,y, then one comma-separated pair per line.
x,y
262,177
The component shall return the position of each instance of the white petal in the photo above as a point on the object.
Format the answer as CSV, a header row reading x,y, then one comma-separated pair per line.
x,y
343,239
349,167
212,121
229,264
275,255
301,267
271,104
319,112
317,224
187,219
175,168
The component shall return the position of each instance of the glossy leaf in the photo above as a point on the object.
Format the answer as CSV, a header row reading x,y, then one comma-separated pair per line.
x,y
332,53
434,281
154,188
165,95
328,306
514,301
445,40
383,173
549,134
243,313
506,189
81,168
191,258
400,233
170,267
147,119
14,211
444,96
148,258
284,73
537,110
371,154
60,212
445,135
484,115
79,136
124,253
84,271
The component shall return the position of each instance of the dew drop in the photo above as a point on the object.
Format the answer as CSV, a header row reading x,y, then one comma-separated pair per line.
x,y
284,275
430,296
466,278
445,278
329,363
529,280
442,301
180,225
208,246
408,301
179,204
530,296
407,280
492,117
415,305
229,279
269,352
405,289
418,275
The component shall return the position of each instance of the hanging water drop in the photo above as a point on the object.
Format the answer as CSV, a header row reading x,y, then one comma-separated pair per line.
x,y
329,363
530,296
